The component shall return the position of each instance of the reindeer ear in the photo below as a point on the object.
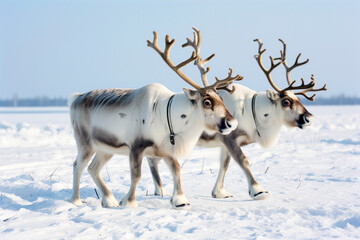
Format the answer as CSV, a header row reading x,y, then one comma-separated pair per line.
x,y
191,94
272,95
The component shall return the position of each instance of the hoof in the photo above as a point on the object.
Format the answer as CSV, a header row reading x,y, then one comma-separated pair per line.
x,y
161,192
256,192
126,203
76,202
179,202
222,193
183,205
109,202
261,195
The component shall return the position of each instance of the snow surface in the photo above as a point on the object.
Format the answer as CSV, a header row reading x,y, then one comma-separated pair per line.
x,y
312,176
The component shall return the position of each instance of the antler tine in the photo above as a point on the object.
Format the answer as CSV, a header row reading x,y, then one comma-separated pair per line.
x,y
272,67
311,89
199,62
296,64
154,44
219,84
306,87
168,45
224,83
302,86
165,57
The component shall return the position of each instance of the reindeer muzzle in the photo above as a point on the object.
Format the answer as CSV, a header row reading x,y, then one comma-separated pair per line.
x,y
226,126
304,120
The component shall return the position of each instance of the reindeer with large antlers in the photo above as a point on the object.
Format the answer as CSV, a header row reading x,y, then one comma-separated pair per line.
x,y
260,117
150,121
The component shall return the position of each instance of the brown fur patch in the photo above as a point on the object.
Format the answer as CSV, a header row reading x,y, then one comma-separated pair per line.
x,y
139,146
230,139
206,137
84,140
106,138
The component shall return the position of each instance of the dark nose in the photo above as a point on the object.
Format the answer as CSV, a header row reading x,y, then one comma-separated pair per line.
x,y
306,119
227,123
224,124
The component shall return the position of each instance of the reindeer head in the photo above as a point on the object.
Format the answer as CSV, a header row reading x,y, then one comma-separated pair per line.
x,y
216,115
293,112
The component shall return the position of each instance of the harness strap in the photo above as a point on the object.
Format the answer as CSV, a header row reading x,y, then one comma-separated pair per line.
x,y
168,116
254,114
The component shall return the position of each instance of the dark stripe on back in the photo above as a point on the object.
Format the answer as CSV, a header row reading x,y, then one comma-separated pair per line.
x,y
104,98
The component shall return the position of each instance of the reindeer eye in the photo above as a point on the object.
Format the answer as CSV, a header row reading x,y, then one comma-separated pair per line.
x,y
286,102
207,103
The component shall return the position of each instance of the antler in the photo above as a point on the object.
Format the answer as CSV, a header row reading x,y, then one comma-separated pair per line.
x,y
199,62
219,84
306,87
296,64
165,56
273,65
225,83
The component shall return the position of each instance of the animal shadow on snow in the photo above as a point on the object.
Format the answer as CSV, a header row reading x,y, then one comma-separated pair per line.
x,y
23,192
34,195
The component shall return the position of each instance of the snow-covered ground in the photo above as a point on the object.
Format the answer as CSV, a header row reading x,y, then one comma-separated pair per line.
x,y
313,177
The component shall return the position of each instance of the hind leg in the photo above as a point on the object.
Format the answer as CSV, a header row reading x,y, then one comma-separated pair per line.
x,y
94,169
218,190
79,165
159,188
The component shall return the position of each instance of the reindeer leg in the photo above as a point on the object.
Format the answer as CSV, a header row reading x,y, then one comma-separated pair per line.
x,y
218,190
178,199
94,169
82,159
255,190
159,188
135,158
153,164
135,169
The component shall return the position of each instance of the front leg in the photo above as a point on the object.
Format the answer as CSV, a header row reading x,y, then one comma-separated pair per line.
x,y
178,199
135,159
255,190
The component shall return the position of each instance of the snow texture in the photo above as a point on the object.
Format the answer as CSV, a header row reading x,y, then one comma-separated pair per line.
x,y
312,176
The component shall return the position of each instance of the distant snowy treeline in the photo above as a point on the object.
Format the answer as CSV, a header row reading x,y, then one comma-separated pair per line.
x,y
33,102
46,101
335,100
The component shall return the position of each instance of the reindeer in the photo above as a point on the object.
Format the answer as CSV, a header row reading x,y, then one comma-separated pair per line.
x,y
260,118
150,121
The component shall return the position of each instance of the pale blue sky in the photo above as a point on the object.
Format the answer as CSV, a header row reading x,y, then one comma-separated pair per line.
x,y
55,48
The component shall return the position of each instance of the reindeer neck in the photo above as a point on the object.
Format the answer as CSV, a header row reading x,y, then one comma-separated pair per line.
x,y
265,134
240,105
184,113
187,123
